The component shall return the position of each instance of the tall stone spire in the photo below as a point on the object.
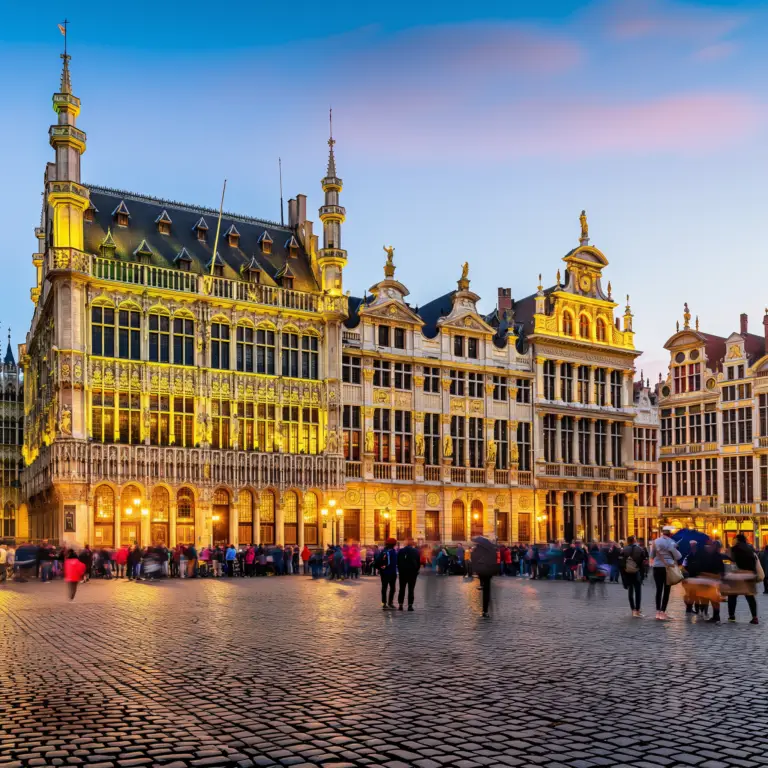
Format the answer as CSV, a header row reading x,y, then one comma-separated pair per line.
x,y
332,258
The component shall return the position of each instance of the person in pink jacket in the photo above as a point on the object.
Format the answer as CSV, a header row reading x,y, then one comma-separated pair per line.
x,y
354,561
74,569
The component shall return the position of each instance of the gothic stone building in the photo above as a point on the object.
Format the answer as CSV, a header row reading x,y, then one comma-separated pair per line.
x,y
182,379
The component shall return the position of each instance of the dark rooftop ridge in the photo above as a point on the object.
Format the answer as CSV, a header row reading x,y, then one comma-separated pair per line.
x,y
186,207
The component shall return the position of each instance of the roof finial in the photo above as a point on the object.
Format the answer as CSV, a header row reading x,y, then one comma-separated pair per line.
x,y
609,289
558,278
331,142
389,267
677,327
66,82
627,307
540,287
584,239
697,322
686,317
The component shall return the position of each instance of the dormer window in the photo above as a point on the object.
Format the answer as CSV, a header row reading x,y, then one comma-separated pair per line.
x,y
121,214
164,222
288,282
292,246
183,260
265,241
201,229
90,212
108,246
143,253
218,267
285,276
251,271
233,237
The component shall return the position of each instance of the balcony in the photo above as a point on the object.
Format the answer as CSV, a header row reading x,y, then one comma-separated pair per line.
x,y
588,472
699,504
739,510
354,470
458,475
525,478
162,278
432,474
477,476
78,461
382,471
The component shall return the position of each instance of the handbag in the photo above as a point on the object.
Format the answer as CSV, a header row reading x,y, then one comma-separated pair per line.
x,y
759,569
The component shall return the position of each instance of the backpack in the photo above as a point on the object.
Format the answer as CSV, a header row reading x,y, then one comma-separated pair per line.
x,y
630,565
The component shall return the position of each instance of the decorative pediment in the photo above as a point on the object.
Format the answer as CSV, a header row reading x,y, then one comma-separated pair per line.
x,y
761,365
588,255
685,338
467,322
392,311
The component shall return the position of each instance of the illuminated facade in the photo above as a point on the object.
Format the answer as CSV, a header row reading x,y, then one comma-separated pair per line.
x,y
584,402
182,380
13,514
647,467
436,419
714,432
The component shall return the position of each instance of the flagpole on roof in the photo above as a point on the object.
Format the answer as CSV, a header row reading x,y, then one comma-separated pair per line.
x,y
218,229
280,168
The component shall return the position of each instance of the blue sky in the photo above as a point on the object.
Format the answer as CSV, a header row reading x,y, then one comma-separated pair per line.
x,y
465,131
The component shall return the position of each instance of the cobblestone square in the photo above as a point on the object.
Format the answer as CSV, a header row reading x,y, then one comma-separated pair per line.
x,y
292,672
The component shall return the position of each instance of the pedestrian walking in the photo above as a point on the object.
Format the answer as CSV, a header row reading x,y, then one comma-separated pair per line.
x,y
630,563
3,562
74,570
764,563
230,558
484,565
664,554
691,566
744,580
408,564
86,558
386,564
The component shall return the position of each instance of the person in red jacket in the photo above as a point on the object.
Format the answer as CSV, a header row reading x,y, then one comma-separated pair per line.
x,y
74,570
121,558
305,555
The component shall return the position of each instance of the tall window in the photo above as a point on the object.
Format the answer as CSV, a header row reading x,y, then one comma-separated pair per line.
x,y
392,435
737,426
710,477
582,395
584,327
382,373
616,379
382,428
694,424
266,427
473,346
432,438
681,478
476,442
129,417
550,435
458,383
567,324
291,517
549,379
566,439
310,357
694,377
290,352
738,480
501,437
290,426
710,424
666,426
403,523
159,338
383,335
351,369
220,346
458,346
246,416
403,374
183,341
600,386
431,379
267,517
616,428
475,384
566,382
159,419
524,446
600,329
399,339
458,521
523,391
666,478
245,349
311,531
103,415
185,517
679,381
103,331
265,351
697,477
220,411
681,433
353,433
458,435
500,393
402,438
184,421
8,521
600,437
129,334
245,517
764,478
763,415
583,426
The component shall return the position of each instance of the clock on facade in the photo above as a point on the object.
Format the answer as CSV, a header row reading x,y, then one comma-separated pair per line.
x,y
585,283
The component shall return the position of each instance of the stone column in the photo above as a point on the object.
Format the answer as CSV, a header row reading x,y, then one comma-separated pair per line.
x,y
577,520
539,427
574,382
301,527
592,385
592,437
539,378
280,522
592,516
558,380
627,445
575,449
257,520
234,531
558,438
608,393
614,529
608,443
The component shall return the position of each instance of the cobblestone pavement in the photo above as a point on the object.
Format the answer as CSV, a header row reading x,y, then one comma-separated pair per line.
x,y
292,672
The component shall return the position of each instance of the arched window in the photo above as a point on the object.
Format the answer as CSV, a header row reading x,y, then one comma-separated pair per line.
x,y
267,517
311,537
458,522
245,517
567,324
291,517
185,517
476,512
8,526
584,327
104,517
220,515
600,329
160,512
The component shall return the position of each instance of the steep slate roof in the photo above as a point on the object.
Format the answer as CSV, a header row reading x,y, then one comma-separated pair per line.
x,y
433,310
144,213
714,349
754,346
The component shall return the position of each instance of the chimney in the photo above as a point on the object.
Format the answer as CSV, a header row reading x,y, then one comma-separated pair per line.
x,y
293,213
301,201
743,323
504,301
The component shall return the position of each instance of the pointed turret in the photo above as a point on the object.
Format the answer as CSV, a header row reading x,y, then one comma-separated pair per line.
x,y
9,358
65,194
332,258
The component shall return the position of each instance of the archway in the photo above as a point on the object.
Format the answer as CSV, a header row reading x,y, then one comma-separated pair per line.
x,y
130,515
220,528
245,517
476,514
104,517
291,512
160,511
267,517
458,521
185,517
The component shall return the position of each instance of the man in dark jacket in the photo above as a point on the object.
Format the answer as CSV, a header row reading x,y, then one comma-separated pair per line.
x,y
744,558
764,563
408,564
484,565
691,564
386,564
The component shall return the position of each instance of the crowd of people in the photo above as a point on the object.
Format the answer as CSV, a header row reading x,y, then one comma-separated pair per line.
x,y
709,574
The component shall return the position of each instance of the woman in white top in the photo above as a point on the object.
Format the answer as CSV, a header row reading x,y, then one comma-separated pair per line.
x,y
663,553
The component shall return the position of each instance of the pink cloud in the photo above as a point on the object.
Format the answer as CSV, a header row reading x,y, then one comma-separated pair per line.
x,y
636,19
716,51
685,124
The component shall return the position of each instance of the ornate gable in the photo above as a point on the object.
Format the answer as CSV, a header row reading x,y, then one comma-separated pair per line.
x,y
389,297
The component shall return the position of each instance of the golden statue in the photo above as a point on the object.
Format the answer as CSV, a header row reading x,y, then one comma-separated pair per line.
x,y
584,225
65,421
492,449
369,441
390,251
332,443
465,270
447,447
686,316
419,445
